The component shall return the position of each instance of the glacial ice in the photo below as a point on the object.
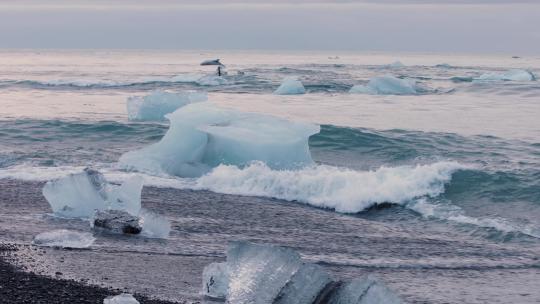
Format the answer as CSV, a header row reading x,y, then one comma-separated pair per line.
x,y
262,274
64,239
510,75
290,86
124,298
304,286
259,272
154,106
216,280
154,225
396,64
364,290
202,136
387,85
79,195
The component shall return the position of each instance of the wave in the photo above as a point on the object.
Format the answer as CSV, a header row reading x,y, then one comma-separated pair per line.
x,y
195,79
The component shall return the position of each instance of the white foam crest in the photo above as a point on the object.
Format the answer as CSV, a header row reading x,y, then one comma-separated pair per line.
x,y
341,189
456,214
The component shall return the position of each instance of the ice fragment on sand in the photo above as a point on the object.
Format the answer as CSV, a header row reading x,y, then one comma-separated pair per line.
x,y
64,239
124,298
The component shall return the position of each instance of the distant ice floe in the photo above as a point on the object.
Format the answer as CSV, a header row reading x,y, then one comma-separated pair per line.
x,y
290,86
124,298
395,65
89,195
389,85
202,136
258,273
510,75
64,239
154,106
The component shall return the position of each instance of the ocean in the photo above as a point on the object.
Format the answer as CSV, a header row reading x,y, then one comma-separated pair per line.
x,y
437,193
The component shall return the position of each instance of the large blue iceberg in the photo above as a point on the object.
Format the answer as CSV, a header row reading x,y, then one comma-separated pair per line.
x,y
202,136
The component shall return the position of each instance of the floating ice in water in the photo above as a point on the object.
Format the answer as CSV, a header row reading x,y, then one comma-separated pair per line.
x,y
155,105
388,85
79,195
117,221
216,280
124,298
64,239
202,136
290,86
364,290
259,272
344,190
211,62
262,274
511,75
154,225
395,64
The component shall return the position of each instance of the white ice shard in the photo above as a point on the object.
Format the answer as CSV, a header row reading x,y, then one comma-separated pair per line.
x,y
259,272
216,280
124,298
510,75
202,136
304,286
64,239
388,85
290,86
154,106
79,195
154,225
364,290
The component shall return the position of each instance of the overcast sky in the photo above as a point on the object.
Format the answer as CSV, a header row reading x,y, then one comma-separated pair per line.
x,y
492,26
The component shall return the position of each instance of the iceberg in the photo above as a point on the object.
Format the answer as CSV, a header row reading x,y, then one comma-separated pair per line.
x,y
510,75
64,239
388,85
154,106
395,65
290,86
124,298
364,290
202,136
79,195
154,225
216,280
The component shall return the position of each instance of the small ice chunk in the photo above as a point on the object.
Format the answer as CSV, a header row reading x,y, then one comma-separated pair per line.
x,y
79,195
304,286
202,136
117,221
216,280
64,239
290,86
154,225
154,106
259,272
364,290
388,85
510,75
124,298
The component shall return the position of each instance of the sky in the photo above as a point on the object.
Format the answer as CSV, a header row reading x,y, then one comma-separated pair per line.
x,y
449,26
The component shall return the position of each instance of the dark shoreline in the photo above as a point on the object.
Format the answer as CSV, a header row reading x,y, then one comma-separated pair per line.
x,y
18,286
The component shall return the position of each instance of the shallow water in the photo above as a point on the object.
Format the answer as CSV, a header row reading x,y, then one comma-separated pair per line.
x,y
462,162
